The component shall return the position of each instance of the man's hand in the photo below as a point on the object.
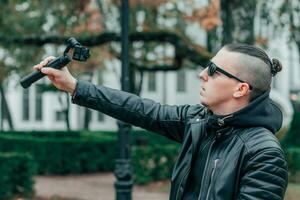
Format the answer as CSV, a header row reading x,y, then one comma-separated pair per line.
x,y
61,79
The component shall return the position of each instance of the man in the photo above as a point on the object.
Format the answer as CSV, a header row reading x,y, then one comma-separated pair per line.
x,y
229,150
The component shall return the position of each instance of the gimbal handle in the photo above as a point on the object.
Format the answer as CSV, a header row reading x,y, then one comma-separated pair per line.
x,y
57,63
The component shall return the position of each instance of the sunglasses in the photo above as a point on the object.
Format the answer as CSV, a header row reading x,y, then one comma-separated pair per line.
x,y
212,68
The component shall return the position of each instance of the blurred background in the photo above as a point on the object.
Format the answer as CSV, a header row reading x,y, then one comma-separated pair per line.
x,y
48,145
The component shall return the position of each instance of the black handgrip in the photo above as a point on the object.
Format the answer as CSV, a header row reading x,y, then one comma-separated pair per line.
x,y
57,63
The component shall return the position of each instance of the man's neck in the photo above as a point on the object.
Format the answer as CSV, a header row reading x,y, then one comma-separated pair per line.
x,y
229,107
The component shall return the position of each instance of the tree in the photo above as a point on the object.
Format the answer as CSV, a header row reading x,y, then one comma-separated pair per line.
x,y
238,21
291,8
35,18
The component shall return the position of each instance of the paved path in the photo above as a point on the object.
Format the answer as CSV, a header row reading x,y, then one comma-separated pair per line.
x,y
94,187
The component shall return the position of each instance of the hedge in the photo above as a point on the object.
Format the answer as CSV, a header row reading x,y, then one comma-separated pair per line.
x,y
64,155
61,153
293,136
138,137
293,157
47,134
16,175
153,163
291,145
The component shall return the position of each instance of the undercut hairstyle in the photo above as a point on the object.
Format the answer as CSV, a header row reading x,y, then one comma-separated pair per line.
x,y
257,68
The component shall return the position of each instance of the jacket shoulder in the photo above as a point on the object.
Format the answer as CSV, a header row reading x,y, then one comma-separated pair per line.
x,y
264,172
259,138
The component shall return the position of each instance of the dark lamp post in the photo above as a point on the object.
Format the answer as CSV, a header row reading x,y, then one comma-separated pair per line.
x,y
123,168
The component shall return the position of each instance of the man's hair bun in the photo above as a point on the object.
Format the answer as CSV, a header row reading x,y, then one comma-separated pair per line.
x,y
276,66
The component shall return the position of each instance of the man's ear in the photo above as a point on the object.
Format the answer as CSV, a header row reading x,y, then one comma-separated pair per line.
x,y
241,90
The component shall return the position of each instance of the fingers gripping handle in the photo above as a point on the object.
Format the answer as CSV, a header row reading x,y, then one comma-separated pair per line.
x,y
57,63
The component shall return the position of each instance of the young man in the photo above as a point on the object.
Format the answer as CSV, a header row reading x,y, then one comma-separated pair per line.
x,y
229,150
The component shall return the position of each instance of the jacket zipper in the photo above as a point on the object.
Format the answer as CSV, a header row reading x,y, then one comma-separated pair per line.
x,y
221,121
188,171
211,178
206,162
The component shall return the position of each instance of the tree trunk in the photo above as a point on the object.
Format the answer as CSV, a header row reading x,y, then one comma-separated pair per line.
x,y
87,119
212,42
238,21
5,112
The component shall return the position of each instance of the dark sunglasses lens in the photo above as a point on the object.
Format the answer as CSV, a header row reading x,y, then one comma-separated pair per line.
x,y
211,69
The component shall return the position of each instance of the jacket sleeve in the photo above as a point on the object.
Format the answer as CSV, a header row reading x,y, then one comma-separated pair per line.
x,y
129,108
265,176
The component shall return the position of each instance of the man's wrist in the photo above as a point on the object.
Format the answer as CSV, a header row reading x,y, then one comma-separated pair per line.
x,y
72,87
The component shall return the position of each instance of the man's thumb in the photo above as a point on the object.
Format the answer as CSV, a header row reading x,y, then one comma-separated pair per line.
x,y
50,71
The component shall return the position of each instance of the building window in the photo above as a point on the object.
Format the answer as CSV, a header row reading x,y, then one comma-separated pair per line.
x,y
25,108
151,82
38,104
181,81
100,116
59,116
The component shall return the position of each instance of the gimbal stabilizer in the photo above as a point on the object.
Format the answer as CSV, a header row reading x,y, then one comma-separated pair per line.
x,y
80,53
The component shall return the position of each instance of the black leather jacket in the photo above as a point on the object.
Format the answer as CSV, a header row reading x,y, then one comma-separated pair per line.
x,y
244,161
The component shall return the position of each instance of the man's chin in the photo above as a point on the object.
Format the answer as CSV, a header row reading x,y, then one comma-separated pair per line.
x,y
203,102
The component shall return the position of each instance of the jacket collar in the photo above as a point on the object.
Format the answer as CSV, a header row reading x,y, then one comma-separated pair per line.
x,y
261,112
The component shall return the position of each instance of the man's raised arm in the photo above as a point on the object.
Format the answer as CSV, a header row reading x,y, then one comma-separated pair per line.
x,y
145,113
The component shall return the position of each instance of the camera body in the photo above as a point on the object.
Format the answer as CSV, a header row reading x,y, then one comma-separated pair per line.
x,y
80,53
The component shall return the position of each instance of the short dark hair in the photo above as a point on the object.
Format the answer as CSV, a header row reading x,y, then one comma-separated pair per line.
x,y
259,74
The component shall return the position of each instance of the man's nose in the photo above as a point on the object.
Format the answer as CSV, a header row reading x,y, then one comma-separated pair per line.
x,y
203,75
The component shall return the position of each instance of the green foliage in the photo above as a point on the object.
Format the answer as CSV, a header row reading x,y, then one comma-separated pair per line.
x,y
19,18
16,175
153,156
293,157
152,163
64,154
30,17
41,134
291,145
292,138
